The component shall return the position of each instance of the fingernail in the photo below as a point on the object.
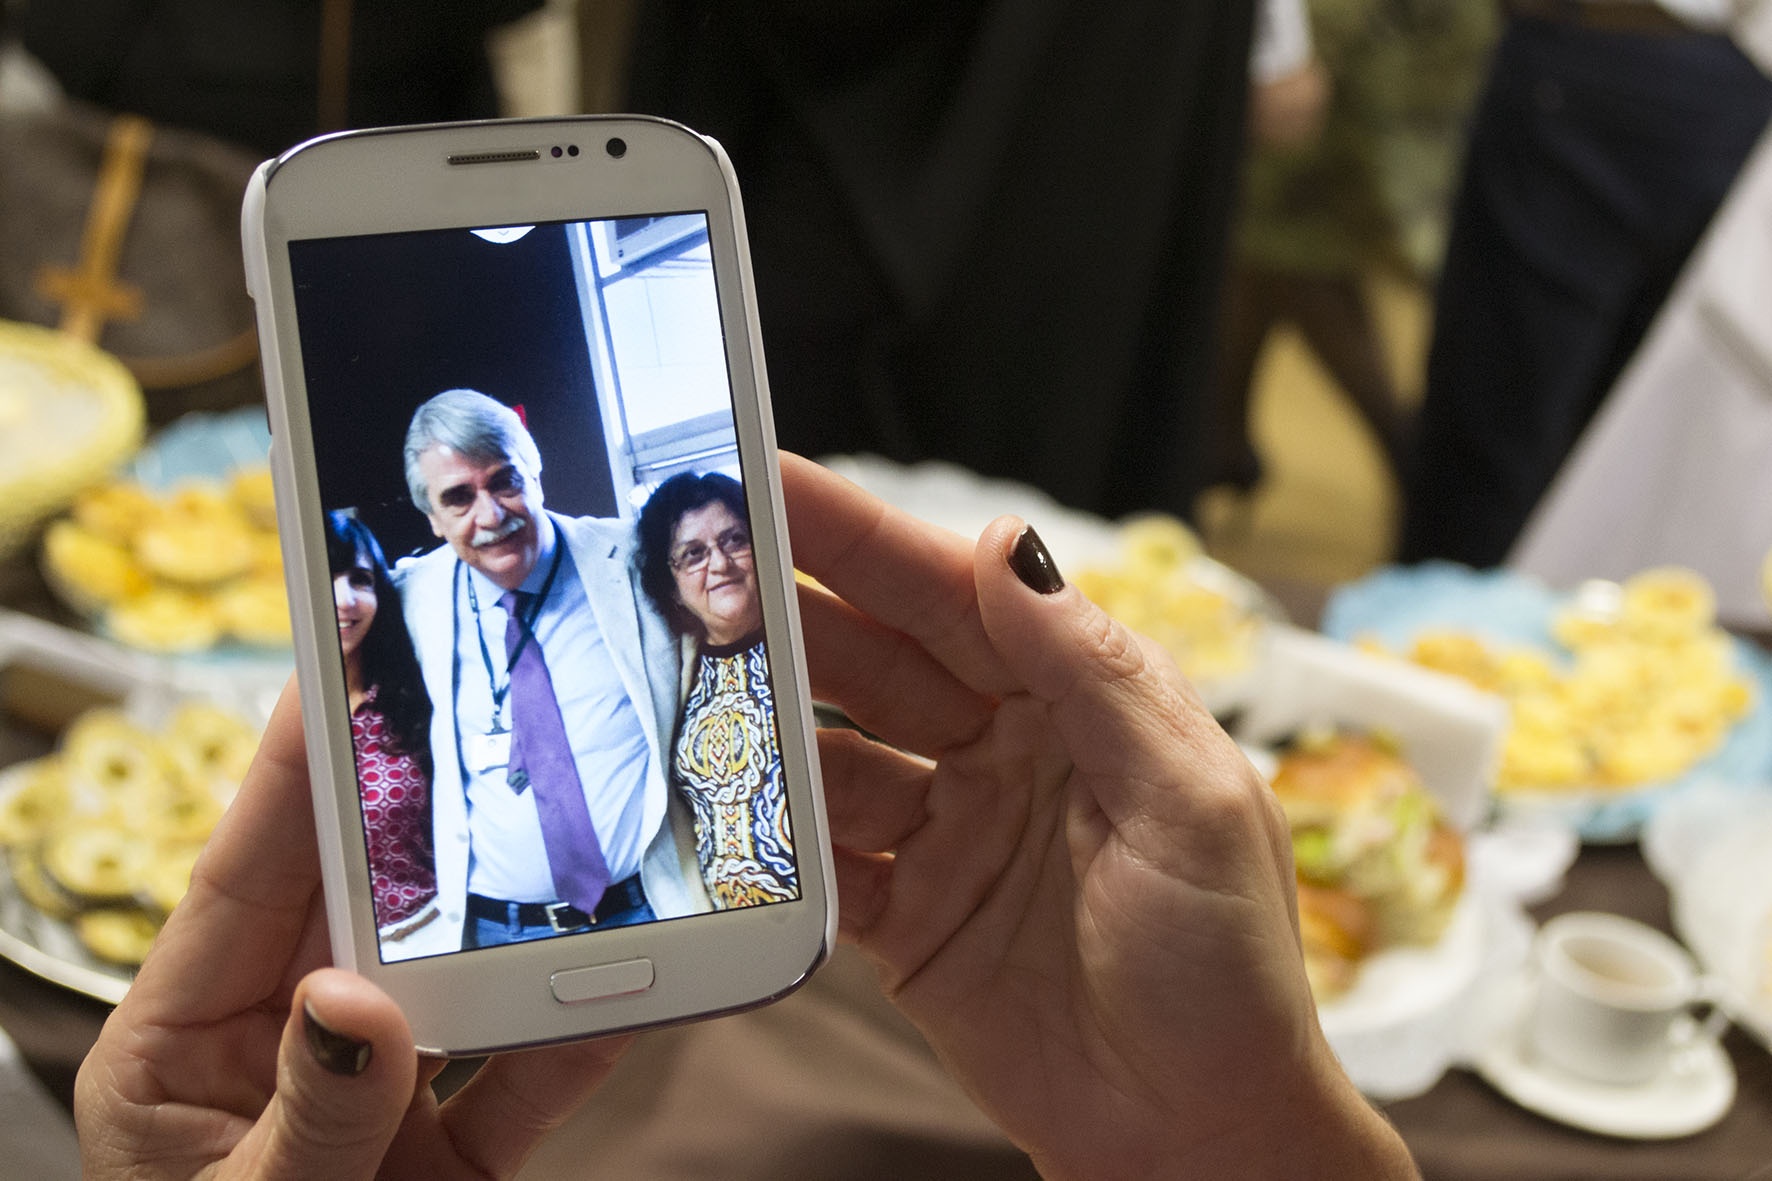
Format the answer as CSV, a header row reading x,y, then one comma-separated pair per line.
x,y
336,1052
1034,565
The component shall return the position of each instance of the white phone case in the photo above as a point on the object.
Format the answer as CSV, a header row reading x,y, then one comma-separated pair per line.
x,y
611,188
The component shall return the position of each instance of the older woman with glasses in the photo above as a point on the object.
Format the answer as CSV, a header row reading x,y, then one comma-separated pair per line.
x,y
696,564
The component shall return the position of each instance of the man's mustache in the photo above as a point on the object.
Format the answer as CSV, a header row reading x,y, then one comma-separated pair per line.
x,y
485,537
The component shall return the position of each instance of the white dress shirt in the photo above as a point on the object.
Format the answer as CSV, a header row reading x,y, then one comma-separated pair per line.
x,y
1282,40
509,858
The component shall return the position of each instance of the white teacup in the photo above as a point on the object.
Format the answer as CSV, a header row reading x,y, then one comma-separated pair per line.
x,y
1611,993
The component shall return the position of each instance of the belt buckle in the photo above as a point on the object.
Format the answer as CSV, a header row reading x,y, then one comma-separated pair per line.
x,y
553,910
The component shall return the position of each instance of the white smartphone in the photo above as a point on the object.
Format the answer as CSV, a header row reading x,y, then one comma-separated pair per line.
x,y
564,771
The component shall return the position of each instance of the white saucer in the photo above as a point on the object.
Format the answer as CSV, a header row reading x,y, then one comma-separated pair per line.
x,y
1693,1092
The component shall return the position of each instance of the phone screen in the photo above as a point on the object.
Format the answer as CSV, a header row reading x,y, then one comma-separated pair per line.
x,y
548,608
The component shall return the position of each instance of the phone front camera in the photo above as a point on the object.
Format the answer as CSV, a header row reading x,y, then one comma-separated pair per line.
x,y
616,147
556,152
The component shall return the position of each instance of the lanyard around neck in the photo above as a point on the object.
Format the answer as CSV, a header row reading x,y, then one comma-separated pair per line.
x,y
525,628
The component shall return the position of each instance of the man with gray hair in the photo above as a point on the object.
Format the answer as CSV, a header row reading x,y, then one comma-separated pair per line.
x,y
555,688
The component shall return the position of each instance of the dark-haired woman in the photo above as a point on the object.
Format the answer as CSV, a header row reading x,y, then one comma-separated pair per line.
x,y
696,564
390,732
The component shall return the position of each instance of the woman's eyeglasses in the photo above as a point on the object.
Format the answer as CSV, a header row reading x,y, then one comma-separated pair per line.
x,y
692,556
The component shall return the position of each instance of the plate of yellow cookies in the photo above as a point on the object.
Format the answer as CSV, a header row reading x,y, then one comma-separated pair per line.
x,y
178,553
1620,693
1149,571
98,835
1157,579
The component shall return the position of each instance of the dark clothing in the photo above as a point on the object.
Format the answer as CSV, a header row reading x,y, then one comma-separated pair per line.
x,y
1595,161
988,232
248,70
1335,317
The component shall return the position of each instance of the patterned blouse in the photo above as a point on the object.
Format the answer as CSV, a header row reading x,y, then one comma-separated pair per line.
x,y
396,818
728,763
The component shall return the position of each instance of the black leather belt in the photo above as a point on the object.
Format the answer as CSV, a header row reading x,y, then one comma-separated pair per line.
x,y
561,916
1609,16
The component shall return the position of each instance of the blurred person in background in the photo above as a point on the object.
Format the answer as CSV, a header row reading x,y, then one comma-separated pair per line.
x,y
1348,173
1606,137
982,232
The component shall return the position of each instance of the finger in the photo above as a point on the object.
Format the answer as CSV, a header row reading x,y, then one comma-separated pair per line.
x,y
1158,778
345,1075
429,1069
864,887
911,576
883,680
273,797
874,795
1126,719
499,1116
250,895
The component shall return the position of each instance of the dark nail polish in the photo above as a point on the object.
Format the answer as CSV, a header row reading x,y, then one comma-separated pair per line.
x,y
335,1051
1034,565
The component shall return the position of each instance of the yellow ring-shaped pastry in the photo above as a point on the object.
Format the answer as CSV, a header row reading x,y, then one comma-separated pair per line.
x,y
94,862
118,934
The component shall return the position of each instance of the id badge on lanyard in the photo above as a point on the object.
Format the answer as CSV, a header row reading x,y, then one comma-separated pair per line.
x,y
488,751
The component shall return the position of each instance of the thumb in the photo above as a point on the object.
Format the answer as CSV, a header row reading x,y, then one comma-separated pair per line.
x,y
346,1070
1118,702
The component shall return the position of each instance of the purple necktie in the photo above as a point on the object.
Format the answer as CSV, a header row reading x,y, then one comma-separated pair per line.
x,y
541,756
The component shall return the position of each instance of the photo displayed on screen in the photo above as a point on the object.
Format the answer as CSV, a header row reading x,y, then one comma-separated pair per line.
x,y
561,706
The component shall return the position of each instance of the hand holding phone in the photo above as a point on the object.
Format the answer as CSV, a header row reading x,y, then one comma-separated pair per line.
x,y
1077,799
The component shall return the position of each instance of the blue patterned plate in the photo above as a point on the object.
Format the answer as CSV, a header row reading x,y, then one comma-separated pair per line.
x,y
1397,603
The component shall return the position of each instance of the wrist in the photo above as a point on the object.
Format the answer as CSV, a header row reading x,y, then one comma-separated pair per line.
x,y
1348,1138
1323,1127
1319,1127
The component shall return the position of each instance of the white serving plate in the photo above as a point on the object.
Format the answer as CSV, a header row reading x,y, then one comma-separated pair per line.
x,y
83,668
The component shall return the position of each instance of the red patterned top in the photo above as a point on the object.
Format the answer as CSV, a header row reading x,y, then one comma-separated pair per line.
x,y
396,818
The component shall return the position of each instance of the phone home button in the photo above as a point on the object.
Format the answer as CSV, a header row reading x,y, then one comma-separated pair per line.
x,y
574,985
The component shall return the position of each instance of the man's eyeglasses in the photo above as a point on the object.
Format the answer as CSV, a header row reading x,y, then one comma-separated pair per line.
x,y
692,556
506,483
